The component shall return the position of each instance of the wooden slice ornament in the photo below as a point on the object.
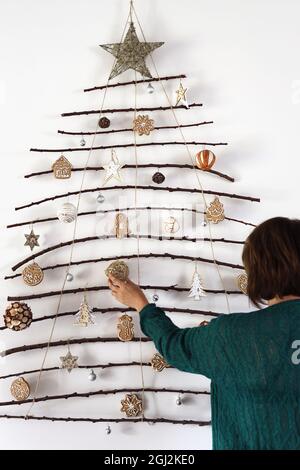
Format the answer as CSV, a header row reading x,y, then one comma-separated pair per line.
x,y
62,168
18,316
205,159
20,389
118,269
32,274
158,363
125,328
131,405
215,211
242,282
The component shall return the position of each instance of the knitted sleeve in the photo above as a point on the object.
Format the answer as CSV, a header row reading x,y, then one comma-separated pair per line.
x,y
198,350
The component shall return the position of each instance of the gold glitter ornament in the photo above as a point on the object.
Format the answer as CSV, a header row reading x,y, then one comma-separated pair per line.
x,y
118,269
143,125
125,328
20,389
32,274
69,361
215,211
18,316
131,53
131,405
62,168
158,363
242,282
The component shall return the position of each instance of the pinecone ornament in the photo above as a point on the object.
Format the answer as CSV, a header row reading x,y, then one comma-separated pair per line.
x,y
18,316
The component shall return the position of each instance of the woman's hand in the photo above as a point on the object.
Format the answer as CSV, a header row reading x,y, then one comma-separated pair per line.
x,y
127,293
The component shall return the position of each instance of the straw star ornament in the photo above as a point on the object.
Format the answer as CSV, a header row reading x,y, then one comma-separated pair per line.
x,y
131,54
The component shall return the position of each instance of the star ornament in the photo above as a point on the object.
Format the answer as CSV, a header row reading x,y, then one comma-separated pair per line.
x,y
113,168
31,240
69,362
131,53
181,95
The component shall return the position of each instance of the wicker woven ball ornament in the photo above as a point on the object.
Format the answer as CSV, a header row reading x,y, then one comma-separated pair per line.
x,y
158,177
118,269
104,123
67,213
20,389
32,274
18,316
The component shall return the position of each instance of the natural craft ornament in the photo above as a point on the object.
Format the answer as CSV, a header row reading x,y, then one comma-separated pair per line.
x,y
32,274
68,361
197,290
125,328
158,363
131,405
118,269
18,316
215,211
242,282
85,316
62,168
205,159
112,168
31,240
121,229
181,95
104,122
67,213
20,389
158,178
131,53
143,125
171,225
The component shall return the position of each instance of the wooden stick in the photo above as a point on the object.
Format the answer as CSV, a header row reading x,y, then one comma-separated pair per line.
x,y
52,344
130,110
105,237
145,255
124,310
154,188
103,288
123,209
123,146
66,396
133,82
109,420
91,366
145,165
129,129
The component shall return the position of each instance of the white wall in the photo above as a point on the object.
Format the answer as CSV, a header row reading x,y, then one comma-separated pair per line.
x,y
241,61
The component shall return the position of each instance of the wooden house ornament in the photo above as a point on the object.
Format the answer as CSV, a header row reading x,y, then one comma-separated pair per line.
x,y
62,168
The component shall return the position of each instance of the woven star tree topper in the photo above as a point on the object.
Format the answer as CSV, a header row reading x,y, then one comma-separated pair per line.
x,y
131,54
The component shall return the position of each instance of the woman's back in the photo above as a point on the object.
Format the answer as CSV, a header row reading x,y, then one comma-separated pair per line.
x,y
257,393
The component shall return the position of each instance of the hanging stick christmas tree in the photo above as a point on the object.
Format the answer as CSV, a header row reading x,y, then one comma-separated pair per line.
x,y
133,53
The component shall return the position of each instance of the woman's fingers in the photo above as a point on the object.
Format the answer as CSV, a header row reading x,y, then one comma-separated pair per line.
x,y
116,282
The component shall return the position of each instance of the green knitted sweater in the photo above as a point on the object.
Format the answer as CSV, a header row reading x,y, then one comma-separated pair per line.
x,y
255,384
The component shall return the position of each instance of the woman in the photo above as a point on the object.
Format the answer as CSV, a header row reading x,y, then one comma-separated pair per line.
x,y
249,357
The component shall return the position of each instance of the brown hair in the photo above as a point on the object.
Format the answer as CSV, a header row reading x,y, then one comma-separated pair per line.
x,y
271,257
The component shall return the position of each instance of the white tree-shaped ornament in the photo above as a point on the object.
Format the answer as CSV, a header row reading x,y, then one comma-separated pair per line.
x,y
84,317
197,289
